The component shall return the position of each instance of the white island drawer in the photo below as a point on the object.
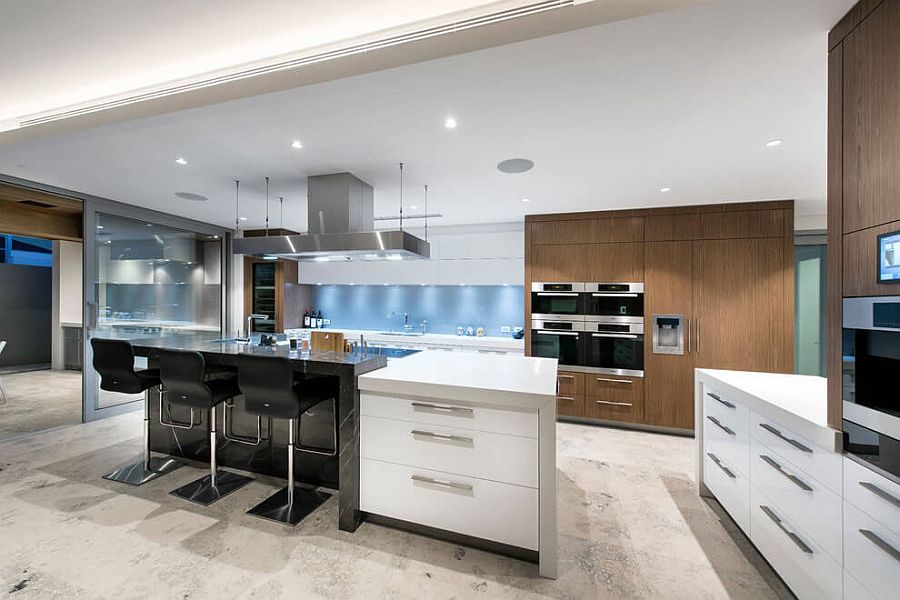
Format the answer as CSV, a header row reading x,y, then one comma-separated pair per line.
x,y
726,424
449,414
814,508
484,509
494,456
871,553
821,463
730,487
809,571
875,495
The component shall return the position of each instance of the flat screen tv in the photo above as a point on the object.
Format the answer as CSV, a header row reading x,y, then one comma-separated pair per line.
x,y
889,258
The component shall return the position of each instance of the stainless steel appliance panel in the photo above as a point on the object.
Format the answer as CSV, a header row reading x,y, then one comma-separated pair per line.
x,y
668,334
615,347
560,339
557,299
613,299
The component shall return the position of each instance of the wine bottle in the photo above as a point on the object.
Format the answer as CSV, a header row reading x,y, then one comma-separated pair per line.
x,y
320,322
306,317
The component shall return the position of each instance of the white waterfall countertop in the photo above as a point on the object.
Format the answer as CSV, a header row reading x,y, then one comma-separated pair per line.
x,y
502,380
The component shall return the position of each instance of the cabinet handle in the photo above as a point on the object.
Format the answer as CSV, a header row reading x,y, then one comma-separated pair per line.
x,y
625,381
778,434
616,295
545,332
613,403
698,336
881,493
794,537
565,377
719,464
450,484
793,478
722,427
438,407
718,399
624,336
565,397
558,294
875,539
442,436
688,335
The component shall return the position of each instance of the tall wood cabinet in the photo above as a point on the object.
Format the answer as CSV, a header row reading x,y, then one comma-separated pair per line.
x,y
728,269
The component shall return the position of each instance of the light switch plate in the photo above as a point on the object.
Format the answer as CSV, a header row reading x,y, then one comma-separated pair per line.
x,y
327,322
504,329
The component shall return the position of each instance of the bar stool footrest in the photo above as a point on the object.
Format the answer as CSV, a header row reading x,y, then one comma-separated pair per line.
x,y
138,474
276,507
201,491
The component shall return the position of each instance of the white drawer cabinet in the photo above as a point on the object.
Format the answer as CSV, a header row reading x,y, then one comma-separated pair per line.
x,y
854,590
803,564
446,414
484,509
487,455
813,508
874,495
730,487
814,460
726,424
871,553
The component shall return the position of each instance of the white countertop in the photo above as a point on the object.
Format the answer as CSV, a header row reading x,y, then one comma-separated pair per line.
x,y
501,380
797,401
379,336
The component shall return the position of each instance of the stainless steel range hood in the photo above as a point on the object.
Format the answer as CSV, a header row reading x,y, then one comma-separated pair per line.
x,y
341,228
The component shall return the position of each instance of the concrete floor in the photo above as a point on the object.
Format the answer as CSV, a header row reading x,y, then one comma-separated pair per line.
x,y
39,400
631,526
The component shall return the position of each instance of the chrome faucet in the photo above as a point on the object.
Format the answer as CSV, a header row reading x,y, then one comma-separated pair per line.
x,y
397,313
424,326
250,319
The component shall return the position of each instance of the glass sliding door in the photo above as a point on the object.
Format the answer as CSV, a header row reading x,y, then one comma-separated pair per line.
x,y
810,302
144,278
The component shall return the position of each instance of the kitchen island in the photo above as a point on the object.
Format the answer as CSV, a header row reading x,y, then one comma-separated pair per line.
x,y
339,472
463,447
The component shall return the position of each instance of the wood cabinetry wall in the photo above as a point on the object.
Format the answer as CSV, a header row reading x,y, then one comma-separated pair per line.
x,y
729,269
863,163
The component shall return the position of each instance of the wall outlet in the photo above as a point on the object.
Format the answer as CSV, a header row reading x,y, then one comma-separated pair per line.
x,y
504,329
327,322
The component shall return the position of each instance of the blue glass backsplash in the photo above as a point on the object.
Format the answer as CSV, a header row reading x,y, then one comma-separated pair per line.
x,y
445,307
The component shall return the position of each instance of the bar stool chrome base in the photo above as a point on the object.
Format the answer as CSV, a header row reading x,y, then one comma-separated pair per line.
x,y
138,473
204,492
279,508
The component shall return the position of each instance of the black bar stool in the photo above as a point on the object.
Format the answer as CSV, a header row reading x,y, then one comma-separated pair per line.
x,y
114,361
270,390
187,383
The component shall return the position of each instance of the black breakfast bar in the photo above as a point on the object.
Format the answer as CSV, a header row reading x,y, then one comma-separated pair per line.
x,y
339,472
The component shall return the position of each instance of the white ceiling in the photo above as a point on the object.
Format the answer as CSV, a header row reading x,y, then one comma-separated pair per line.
x,y
610,114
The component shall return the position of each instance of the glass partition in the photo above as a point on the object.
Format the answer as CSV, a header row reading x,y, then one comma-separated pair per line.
x,y
151,280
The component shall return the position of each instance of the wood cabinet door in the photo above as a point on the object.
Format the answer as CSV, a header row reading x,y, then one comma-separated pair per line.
x,y
560,262
672,227
871,120
669,378
743,321
614,398
621,262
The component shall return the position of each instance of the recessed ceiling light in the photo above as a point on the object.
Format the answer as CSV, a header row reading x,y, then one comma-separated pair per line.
x,y
773,143
296,144
394,257
243,218
99,226
413,207
665,189
270,257
526,200
515,165
181,161
450,123
191,196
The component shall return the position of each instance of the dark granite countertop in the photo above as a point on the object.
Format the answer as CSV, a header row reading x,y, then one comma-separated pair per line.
x,y
212,344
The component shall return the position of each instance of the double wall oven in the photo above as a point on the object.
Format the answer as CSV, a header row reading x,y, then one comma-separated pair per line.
x,y
871,363
591,327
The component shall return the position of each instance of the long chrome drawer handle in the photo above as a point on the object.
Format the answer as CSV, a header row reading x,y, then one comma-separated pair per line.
x,y
718,399
778,434
442,436
456,409
875,539
880,493
565,397
562,376
722,427
450,484
793,478
719,464
625,381
613,403
794,537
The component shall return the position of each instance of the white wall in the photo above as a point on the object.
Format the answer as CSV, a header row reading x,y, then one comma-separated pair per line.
x,y
472,254
68,271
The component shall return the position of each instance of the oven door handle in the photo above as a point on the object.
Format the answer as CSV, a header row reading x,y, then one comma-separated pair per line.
x,y
614,295
627,336
558,294
568,333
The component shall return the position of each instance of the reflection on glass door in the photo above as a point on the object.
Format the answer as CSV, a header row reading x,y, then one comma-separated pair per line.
x,y
148,280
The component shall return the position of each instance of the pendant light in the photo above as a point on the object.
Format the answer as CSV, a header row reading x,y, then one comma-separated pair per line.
x,y
401,196
237,205
426,212
281,218
267,206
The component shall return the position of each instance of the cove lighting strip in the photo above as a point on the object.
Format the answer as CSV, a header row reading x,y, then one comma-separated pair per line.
x,y
405,38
